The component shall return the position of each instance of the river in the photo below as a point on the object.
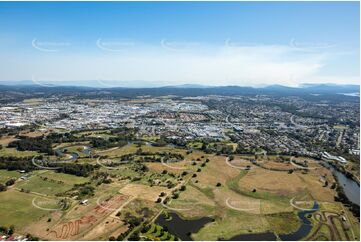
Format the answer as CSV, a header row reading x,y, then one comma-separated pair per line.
x,y
350,187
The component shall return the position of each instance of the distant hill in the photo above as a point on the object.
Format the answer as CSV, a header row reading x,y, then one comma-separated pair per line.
x,y
315,92
97,84
332,88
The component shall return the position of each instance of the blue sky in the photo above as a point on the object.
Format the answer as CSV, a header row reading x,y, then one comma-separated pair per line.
x,y
158,43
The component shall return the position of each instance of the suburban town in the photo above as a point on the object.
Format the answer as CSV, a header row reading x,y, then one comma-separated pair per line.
x,y
260,122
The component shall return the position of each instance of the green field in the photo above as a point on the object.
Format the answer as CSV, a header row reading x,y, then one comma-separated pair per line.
x,y
232,223
5,175
50,183
66,178
16,153
16,209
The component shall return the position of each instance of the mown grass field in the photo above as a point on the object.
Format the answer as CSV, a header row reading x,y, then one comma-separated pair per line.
x,y
16,153
66,178
49,182
5,175
16,209
34,101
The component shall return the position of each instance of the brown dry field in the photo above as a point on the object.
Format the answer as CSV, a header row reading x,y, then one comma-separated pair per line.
x,y
195,203
88,223
216,171
194,196
36,133
272,181
105,229
243,163
276,165
159,167
276,183
239,202
142,191
289,185
4,141
128,149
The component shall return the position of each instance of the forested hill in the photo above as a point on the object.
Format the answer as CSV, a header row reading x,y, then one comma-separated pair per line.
x,y
309,92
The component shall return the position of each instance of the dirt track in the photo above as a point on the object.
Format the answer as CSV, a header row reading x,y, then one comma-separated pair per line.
x,y
327,218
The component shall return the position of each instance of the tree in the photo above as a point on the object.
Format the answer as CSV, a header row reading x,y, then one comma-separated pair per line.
x,y
333,186
2,187
184,173
219,184
11,230
10,182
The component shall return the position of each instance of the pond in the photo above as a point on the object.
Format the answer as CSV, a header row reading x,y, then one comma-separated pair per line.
x,y
180,227
184,228
86,150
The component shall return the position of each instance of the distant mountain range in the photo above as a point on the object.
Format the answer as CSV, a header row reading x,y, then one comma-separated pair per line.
x,y
97,84
308,91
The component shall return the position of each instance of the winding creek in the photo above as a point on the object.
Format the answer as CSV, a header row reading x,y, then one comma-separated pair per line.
x,y
305,228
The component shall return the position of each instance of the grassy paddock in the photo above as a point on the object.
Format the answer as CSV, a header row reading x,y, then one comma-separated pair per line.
x,y
16,209
5,175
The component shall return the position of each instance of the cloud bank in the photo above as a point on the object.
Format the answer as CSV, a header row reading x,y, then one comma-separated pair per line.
x,y
175,63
